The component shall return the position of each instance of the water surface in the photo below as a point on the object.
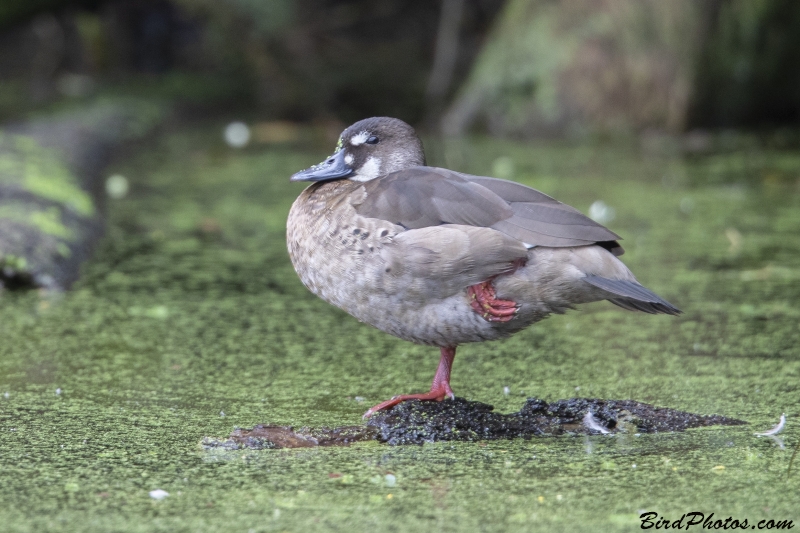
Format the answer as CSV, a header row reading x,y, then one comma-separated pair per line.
x,y
189,321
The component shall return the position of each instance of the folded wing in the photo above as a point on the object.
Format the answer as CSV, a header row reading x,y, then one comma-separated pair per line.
x,y
421,197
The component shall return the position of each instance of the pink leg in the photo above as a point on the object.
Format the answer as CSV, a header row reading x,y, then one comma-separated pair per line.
x,y
484,302
440,388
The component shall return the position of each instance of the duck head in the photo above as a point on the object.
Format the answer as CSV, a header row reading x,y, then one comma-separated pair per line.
x,y
369,149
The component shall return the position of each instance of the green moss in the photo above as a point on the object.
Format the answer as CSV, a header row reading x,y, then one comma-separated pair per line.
x,y
47,221
18,264
41,172
191,309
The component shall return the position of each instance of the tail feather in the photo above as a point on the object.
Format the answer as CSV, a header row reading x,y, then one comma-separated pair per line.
x,y
632,296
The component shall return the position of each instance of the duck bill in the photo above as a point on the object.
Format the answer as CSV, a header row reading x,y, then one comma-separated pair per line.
x,y
332,168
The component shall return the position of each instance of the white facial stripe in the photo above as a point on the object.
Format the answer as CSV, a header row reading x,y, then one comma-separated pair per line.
x,y
368,171
359,138
348,159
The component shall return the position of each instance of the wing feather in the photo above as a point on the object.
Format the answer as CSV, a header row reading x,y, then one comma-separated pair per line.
x,y
420,197
447,258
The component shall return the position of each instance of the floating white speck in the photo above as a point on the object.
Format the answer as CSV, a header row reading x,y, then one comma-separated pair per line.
x,y
359,399
237,134
117,186
6,395
601,212
577,389
222,413
591,422
506,391
158,494
391,480
58,392
777,429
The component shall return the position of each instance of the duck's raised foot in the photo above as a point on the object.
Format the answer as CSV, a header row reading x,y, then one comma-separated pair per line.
x,y
482,299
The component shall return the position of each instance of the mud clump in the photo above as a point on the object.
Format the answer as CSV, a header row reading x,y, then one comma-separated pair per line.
x,y
416,422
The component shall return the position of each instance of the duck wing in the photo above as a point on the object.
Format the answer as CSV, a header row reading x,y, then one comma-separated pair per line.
x,y
420,197
439,261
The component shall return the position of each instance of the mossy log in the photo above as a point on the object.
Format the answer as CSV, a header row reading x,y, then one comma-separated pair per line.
x,y
553,68
51,190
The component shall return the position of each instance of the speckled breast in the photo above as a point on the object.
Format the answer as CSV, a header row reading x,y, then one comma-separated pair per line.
x,y
345,259
336,252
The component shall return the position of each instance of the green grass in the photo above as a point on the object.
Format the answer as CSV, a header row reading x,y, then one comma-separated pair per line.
x,y
190,308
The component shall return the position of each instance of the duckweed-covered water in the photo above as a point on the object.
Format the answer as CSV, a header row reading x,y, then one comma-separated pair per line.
x,y
189,321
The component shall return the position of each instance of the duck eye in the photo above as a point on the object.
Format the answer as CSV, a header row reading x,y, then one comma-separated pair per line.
x,y
372,140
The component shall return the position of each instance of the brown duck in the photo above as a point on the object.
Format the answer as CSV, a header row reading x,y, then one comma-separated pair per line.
x,y
442,258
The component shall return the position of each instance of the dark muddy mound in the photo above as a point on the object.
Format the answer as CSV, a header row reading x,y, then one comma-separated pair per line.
x,y
416,422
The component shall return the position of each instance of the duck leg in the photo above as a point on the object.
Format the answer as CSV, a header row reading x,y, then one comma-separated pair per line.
x,y
440,388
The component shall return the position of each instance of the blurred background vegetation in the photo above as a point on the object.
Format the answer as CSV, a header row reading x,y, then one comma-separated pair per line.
x,y
515,67
298,60
84,79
